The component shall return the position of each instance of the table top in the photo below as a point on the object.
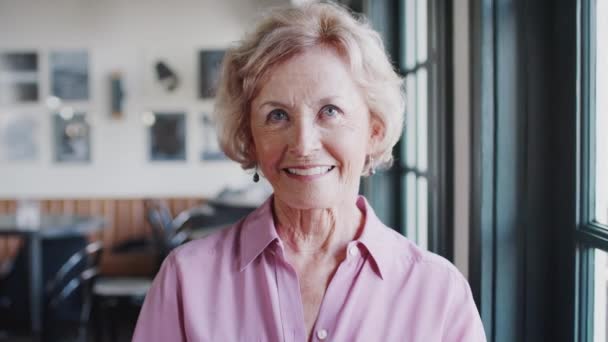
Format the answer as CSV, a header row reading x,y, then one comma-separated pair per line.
x,y
52,226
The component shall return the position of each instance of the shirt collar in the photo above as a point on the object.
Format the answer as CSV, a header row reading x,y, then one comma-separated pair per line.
x,y
376,238
259,232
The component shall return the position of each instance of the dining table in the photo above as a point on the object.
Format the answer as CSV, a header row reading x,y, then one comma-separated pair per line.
x,y
47,227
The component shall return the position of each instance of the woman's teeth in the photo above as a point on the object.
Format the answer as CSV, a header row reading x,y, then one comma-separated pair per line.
x,y
313,171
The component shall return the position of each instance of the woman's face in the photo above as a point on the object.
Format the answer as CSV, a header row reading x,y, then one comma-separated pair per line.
x,y
312,130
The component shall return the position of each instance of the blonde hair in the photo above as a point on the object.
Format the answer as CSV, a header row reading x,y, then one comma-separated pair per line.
x,y
285,32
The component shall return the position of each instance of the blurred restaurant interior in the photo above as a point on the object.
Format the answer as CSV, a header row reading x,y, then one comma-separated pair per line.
x,y
109,158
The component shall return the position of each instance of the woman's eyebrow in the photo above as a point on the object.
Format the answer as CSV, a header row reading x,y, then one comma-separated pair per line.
x,y
331,98
323,100
273,104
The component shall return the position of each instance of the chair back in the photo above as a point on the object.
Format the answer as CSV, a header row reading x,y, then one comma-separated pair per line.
x,y
84,259
15,296
159,217
69,295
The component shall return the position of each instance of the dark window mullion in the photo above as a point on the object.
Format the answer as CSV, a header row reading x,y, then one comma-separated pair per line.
x,y
584,294
590,235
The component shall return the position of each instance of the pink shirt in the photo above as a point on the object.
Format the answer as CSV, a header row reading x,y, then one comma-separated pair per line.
x,y
236,285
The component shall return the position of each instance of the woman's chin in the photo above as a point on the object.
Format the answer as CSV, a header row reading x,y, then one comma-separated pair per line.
x,y
309,201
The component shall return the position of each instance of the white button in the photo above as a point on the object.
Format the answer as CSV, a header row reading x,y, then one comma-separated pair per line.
x,y
353,251
322,334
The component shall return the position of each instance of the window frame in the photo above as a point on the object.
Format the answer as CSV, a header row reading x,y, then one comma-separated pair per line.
x,y
590,234
385,188
524,128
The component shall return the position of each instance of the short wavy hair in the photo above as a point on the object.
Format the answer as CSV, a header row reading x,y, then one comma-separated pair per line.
x,y
287,31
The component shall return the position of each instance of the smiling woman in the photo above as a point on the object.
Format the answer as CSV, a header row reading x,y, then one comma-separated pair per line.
x,y
312,130
311,101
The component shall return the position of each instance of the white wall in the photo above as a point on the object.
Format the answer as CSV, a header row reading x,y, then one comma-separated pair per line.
x,y
462,144
123,35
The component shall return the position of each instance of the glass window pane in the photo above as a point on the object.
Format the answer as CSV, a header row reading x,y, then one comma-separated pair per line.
x,y
601,112
422,203
600,287
410,206
422,115
421,30
409,150
409,7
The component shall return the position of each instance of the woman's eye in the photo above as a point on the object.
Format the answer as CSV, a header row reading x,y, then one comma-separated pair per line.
x,y
277,115
330,111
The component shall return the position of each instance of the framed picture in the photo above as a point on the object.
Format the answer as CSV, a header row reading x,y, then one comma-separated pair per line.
x,y
168,75
72,139
18,137
167,132
211,149
209,62
70,75
18,77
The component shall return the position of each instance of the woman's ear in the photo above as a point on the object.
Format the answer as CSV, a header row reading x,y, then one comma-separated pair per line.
x,y
376,132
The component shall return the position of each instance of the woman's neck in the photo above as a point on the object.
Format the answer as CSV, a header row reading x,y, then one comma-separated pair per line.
x,y
309,232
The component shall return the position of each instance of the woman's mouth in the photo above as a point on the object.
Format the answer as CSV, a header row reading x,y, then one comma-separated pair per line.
x,y
309,171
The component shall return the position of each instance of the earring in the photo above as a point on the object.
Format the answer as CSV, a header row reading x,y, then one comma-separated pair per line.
x,y
372,166
256,177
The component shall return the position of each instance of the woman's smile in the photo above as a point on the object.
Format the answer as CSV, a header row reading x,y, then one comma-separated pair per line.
x,y
308,172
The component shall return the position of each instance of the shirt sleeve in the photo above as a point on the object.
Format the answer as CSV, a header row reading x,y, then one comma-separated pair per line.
x,y
463,324
161,316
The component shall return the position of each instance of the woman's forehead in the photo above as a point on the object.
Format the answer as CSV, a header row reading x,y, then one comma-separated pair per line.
x,y
316,73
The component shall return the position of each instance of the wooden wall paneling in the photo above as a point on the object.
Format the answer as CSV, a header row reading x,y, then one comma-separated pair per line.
x,y
172,203
55,207
137,219
12,207
96,209
67,207
9,245
44,206
108,232
3,249
83,207
122,220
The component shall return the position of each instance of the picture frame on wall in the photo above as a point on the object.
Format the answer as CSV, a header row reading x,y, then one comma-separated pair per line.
x,y
72,137
19,134
209,67
210,150
19,77
167,136
69,74
168,75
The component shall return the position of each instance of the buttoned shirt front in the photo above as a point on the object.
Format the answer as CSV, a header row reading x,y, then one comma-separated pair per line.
x,y
236,285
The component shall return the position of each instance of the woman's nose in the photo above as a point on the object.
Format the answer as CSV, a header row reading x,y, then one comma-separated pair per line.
x,y
305,138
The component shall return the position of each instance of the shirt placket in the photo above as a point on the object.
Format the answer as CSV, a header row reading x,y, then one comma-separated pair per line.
x,y
290,302
335,296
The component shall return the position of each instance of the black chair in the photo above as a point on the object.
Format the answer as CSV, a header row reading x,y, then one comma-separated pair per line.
x,y
160,219
198,222
69,296
14,293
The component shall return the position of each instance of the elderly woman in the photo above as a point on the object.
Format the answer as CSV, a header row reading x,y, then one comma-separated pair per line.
x,y
310,101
